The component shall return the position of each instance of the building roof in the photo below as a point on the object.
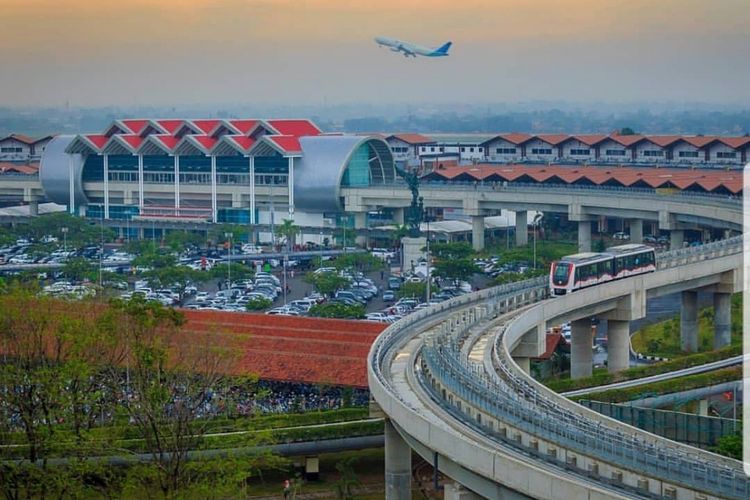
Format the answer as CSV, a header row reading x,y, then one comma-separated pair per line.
x,y
295,128
135,125
648,177
19,137
291,349
412,138
30,169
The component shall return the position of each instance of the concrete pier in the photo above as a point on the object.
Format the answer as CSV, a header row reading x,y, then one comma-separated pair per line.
x,y
477,232
618,345
397,465
581,353
689,321
636,231
676,239
722,320
584,236
522,228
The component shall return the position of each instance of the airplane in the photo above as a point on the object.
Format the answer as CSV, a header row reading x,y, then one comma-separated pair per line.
x,y
410,49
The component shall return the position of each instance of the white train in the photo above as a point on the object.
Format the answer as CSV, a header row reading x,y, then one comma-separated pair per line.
x,y
583,270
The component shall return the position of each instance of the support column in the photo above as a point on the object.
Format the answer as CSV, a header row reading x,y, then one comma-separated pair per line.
x,y
252,190
676,239
106,186
398,216
290,187
71,187
214,203
176,184
581,353
636,231
140,183
397,465
618,345
584,236
524,364
522,228
722,320
689,321
360,222
33,208
477,232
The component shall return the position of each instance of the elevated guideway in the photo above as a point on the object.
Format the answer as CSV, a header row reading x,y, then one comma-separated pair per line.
x,y
491,427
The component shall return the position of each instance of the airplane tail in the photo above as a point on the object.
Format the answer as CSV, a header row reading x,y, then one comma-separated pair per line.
x,y
443,49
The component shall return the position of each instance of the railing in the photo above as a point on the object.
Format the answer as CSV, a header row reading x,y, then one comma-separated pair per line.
x,y
567,189
514,400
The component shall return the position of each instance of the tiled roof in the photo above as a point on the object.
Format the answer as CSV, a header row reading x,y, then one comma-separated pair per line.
x,y
515,137
19,137
681,178
553,139
287,143
297,128
413,138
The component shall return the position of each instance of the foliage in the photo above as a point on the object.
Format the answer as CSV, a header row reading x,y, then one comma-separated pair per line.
x,y
451,250
239,271
80,231
287,231
360,261
504,278
179,241
455,269
217,232
347,479
412,289
337,310
326,283
546,253
258,304
730,446
79,269
627,131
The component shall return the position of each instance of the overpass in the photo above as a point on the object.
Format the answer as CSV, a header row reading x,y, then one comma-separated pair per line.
x,y
453,382
674,212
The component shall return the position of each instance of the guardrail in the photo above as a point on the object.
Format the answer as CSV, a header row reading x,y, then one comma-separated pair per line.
x,y
517,402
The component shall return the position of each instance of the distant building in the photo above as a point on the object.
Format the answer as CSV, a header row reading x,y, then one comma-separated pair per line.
x,y
408,148
22,149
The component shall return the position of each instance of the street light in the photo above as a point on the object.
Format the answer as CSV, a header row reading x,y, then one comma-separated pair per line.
x,y
65,240
429,277
537,217
229,259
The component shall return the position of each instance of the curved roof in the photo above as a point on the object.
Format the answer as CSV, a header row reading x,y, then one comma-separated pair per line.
x,y
318,174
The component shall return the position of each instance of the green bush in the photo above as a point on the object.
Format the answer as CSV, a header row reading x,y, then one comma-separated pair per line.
x,y
337,310
258,304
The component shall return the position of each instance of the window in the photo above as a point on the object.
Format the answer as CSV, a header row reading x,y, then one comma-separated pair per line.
x,y
11,150
471,150
653,152
580,152
463,149
726,154
506,151
615,152
480,150
688,154
541,151
442,149
432,149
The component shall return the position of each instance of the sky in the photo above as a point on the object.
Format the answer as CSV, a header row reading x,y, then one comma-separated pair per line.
x,y
200,52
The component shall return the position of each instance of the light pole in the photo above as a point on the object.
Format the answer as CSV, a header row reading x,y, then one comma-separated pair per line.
x,y
228,235
321,248
429,261
537,217
64,231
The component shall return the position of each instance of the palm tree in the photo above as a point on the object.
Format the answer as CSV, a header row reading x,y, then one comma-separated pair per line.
x,y
287,230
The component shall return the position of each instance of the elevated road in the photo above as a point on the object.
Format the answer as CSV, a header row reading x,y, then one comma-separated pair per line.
x,y
492,428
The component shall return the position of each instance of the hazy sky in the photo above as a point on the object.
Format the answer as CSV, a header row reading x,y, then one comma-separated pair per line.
x,y
187,52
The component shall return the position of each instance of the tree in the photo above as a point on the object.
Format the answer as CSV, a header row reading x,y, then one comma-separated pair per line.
x,y
455,269
413,289
179,277
451,250
258,304
627,131
361,261
326,283
179,241
171,381
287,231
239,271
79,269
337,310
347,478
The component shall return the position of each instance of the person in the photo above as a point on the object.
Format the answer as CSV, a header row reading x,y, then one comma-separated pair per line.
x,y
382,274
287,489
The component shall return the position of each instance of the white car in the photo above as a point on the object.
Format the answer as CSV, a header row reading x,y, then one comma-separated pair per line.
x,y
201,297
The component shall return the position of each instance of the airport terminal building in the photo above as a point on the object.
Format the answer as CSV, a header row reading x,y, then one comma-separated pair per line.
x,y
243,171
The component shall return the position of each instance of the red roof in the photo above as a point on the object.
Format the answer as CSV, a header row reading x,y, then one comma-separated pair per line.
x,y
626,140
735,142
133,140
413,138
244,126
707,180
31,168
287,143
135,126
296,128
590,139
552,340
205,141
170,126
553,139
244,142
20,138
98,140
699,140
515,137
206,126
662,140
169,141
291,349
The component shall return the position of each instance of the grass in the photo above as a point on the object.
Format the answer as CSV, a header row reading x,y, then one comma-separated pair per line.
x,y
663,339
667,386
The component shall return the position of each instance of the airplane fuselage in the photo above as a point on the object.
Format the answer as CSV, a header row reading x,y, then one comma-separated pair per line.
x,y
410,49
